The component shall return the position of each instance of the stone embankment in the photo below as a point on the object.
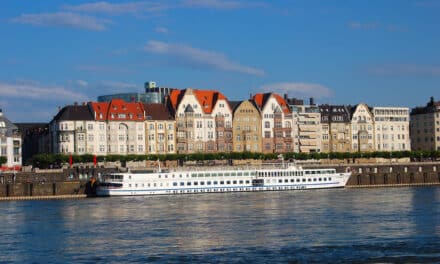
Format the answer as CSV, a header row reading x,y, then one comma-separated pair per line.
x,y
70,183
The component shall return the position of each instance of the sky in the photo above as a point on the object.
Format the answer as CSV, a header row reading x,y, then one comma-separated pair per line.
x,y
55,53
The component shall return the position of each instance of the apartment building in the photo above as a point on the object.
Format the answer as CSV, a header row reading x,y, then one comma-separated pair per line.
x,y
204,121
335,128
10,143
160,130
69,132
123,125
391,128
247,127
425,126
277,123
362,129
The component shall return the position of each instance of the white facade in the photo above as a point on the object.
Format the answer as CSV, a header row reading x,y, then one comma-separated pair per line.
x,y
160,136
10,143
309,128
362,129
391,127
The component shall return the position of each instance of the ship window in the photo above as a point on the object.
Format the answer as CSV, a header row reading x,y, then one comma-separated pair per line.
x,y
241,182
215,182
173,175
196,183
154,184
233,174
307,172
142,185
148,185
280,181
253,173
166,176
226,174
320,179
136,185
309,179
297,180
208,183
193,175
214,174
325,179
129,185
202,183
129,177
247,182
292,180
329,178
180,175
234,182
304,180
159,176
228,182
239,174
222,182
314,179
220,174
188,183
246,174
286,180
182,183
200,175
174,183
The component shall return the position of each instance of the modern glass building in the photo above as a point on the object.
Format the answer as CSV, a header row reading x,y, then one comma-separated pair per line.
x,y
152,94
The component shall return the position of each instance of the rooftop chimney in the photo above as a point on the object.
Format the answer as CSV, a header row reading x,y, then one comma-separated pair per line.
x,y
312,101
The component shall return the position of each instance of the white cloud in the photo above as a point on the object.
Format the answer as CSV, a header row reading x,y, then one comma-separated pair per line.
x,y
405,70
162,30
81,83
38,92
63,19
367,26
216,4
118,85
194,57
105,69
299,90
118,9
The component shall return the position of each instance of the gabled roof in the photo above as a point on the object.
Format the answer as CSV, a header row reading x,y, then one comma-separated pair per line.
x,y
262,98
157,112
74,113
118,110
206,98
6,126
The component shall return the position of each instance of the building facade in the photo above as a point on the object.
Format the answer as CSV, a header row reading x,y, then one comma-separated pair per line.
x,y
335,128
10,143
425,126
160,130
203,119
362,129
247,127
277,123
391,127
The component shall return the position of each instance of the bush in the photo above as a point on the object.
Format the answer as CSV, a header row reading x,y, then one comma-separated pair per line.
x,y
3,160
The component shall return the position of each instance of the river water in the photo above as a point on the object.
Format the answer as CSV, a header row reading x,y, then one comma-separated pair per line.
x,y
389,225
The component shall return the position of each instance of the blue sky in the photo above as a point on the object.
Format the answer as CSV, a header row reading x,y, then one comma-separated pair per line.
x,y
53,53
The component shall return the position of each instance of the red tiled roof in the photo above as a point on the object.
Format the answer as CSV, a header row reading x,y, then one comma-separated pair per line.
x,y
207,98
118,109
261,99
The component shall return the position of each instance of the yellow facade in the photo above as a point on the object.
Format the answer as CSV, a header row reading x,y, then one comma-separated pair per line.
x,y
246,128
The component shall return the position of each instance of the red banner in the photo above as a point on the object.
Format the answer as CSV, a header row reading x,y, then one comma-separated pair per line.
x,y
70,161
94,160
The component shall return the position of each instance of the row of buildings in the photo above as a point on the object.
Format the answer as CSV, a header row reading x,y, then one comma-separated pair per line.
x,y
166,120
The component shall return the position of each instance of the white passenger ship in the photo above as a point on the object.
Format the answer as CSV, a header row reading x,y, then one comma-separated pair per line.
x,y
281,176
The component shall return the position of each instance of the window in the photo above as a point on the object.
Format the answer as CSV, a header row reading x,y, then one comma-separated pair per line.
x,y
89,126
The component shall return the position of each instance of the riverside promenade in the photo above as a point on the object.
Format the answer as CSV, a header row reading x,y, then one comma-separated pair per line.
x,y
69,183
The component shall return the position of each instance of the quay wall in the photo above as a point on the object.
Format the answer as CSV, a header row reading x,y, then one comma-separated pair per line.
x,y
72,181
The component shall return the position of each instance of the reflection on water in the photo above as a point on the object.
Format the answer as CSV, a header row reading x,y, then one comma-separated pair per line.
x,y
363,225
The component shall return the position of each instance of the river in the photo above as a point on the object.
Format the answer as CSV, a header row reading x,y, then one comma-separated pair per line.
x,y
388,225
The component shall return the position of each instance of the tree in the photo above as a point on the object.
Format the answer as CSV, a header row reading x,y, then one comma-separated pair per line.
x,y
3,160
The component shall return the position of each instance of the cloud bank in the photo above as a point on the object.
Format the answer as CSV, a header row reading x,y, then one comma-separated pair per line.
x,y
187,55
299,89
